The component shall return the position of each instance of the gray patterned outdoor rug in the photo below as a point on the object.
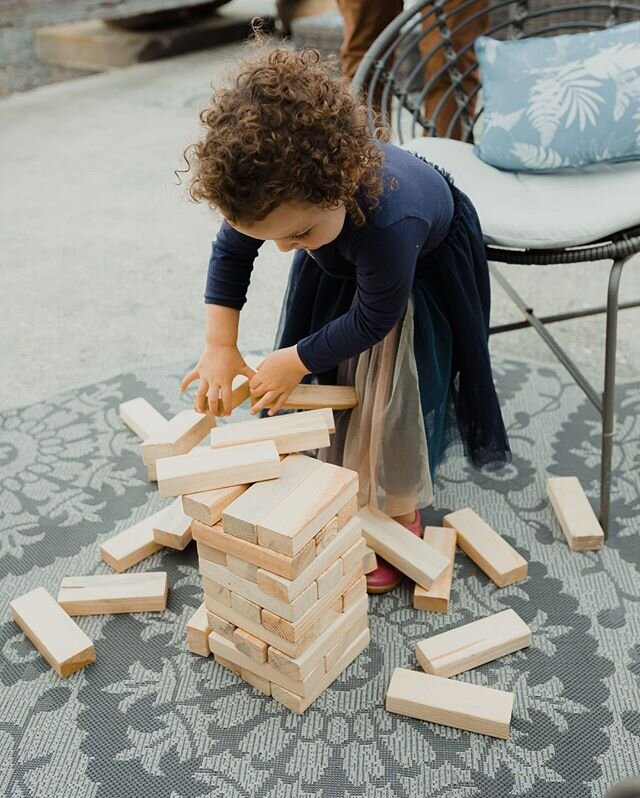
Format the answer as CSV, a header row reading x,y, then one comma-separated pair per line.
x,y
151,719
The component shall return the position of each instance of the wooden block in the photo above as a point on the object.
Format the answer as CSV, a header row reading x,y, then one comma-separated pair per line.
x,y
354,556
241,517
206,469
132,545
491,553
152,473
216,591
326,534
210,554
353,593
436,599
104,594
370,561
410,555
299,705
250,645
330,578
257,682
449,702
287,590
173,528
220,626
289,567
236,584
56,636
338,650
299,667
575,514
473,644
248,609
293,432
208,505
178,436
198,631
303,512
228,665
240,392
310,397
346,513
141,417
241,568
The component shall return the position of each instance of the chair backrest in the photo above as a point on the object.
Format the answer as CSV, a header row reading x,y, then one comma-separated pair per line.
x,y
430,45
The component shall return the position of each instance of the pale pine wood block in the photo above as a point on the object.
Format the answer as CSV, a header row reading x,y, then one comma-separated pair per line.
x,y
286,589
288,567
132,545
450,703
330,578
210,554
302,513
228,665
370,561
326,534
291,610
219,626
248,609
208,505
354,556
311,397
473,644
334,654
198,631
152,473
299,705
575,514
347,512
353,593
206,469
250,645
299,667
242,516
178,435
141,417
57,637
241,568
216,591
257,682
436,599
490,552
294,432
410,555
240,392
105,594
173,528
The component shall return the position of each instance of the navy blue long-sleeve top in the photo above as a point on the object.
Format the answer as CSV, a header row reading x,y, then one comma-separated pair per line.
x,y
412,218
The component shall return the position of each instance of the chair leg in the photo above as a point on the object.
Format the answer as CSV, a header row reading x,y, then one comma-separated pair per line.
x,y
608,396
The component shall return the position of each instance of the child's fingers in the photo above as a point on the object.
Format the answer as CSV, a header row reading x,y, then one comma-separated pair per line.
x,y
277,407
213,394
188,379
226,398
200,396
266,401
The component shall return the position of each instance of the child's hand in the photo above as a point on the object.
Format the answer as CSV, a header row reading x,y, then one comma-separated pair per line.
x,y
217,367
277,376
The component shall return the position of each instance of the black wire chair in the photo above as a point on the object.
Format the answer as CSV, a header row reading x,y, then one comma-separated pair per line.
x,y
394,73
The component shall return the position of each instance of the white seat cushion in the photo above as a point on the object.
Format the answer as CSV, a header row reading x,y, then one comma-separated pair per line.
x,y
538,211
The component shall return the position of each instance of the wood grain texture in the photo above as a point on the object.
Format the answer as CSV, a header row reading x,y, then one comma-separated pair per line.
x,y
173,528
450,703
490,552
293,432
141,417
207,506
575,514
309,397
104,594
198,631
178,436
436,599
132,545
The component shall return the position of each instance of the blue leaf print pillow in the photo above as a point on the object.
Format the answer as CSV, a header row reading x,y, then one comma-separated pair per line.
x,y
560,102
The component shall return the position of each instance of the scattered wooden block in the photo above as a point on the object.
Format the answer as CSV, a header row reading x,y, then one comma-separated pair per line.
x,y
436,599
57,637
132,545
575,514
198,631
173,527
241,517
201,470
354,593
210,554
302,513
370,562
250,646
242,568
220,626
471,645
104,594
289,567
208,505
328,579
491,553
450,703
311,397
247,609
415,558
141,417
178,436
216,591
293,432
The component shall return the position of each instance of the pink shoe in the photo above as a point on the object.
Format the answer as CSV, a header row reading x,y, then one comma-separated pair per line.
x,y
386,577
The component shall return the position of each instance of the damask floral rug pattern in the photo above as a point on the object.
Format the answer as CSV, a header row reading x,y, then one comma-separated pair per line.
x,y
151,719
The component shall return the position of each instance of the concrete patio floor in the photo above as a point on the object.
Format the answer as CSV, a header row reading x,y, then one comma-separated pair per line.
x,y
104,259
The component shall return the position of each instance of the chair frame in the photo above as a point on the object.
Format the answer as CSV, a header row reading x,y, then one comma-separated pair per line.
x,y
391,65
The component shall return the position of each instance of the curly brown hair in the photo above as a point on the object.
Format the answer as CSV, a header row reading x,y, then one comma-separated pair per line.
x,y
286,130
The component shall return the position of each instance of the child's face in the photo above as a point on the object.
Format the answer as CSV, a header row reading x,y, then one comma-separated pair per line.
x,y
296,226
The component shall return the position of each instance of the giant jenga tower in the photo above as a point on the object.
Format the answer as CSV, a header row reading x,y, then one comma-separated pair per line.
x,y
282,559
